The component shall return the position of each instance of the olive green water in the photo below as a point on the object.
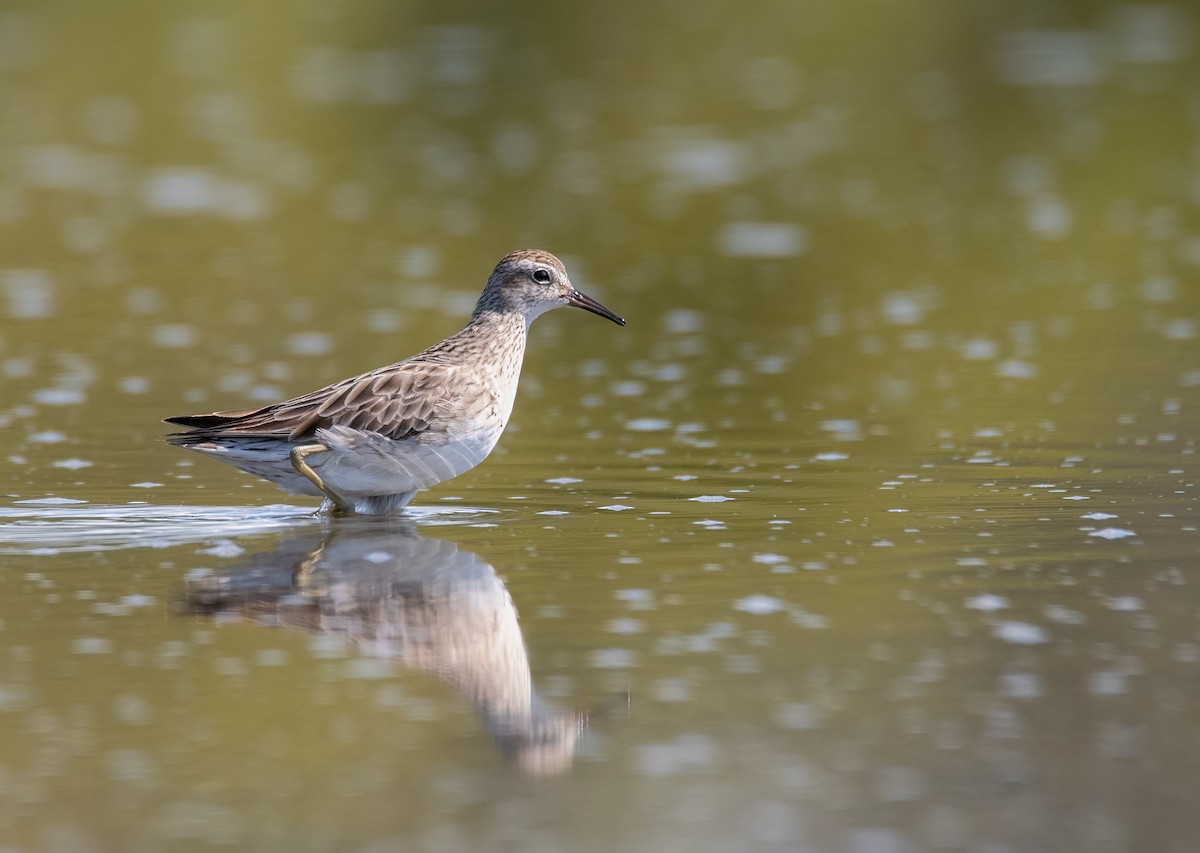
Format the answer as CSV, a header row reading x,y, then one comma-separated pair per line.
x,y
874,531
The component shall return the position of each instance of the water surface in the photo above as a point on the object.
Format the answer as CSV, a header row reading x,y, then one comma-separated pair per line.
x,y
874,531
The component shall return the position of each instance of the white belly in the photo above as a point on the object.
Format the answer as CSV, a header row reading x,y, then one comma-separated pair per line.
x,y
363,464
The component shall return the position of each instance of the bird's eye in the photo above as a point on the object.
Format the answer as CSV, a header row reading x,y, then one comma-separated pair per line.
x,y
541,276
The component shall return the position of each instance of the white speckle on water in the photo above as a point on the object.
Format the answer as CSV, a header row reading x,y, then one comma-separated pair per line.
x,y
1160,288
903,309
616,507
47,437
870,839
761,240
173,335
230,666
1043,58
224,548
564,481
51,501
271,657
1151,34
638,599
980,349
710,499
310,343
672,690
179,190
132,765
986,602
30,294
136,600
73,464
1108,683
1187,653
771,365
1021,685
325,647
187,191
1048,216
1016,369
1179,329
710,524
1125,603
146,485
769,559
612,659
91,646
384,321
368,669
1063,615
830,457
842,426
378,558
554,512
131,709
58,396
1112,533
684,477
799,716
625,625
685,753
900,784
1020,633
759,604
647,424
684,321
134,384
694,159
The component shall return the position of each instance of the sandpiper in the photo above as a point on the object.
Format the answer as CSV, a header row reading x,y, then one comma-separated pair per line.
x,y
368,444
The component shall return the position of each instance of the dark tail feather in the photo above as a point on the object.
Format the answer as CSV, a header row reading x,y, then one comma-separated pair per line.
x,y
214,421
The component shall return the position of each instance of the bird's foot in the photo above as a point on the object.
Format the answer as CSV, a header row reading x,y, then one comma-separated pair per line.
x,y
339,504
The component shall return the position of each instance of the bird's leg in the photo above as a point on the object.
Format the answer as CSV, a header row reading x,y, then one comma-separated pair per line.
x,y
303,572
341,505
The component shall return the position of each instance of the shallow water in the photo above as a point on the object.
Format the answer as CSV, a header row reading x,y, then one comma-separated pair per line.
x,y
874,531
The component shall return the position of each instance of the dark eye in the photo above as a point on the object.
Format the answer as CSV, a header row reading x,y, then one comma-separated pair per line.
x,y
541,276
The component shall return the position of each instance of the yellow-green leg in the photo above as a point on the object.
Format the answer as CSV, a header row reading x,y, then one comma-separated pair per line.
x,y
342,505
302,575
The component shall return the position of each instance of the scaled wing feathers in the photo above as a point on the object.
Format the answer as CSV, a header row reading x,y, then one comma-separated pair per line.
x,y
393,401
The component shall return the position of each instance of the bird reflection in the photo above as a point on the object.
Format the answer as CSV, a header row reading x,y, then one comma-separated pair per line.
x,y
420,601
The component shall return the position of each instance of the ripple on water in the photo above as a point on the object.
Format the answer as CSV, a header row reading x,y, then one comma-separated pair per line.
x,y
48,526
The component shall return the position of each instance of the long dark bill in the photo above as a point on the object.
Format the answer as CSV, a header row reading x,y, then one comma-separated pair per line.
x,y
582,300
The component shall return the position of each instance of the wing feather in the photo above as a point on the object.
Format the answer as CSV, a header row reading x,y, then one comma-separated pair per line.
x,y
395,401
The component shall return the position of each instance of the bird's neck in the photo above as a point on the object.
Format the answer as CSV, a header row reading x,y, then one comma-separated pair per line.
x,y
498,337
499,325
497,342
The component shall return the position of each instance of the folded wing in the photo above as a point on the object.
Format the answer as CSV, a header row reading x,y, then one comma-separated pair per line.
x,y
396,402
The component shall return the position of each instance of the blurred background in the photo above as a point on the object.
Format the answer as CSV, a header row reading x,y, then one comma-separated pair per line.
x,y
874,531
